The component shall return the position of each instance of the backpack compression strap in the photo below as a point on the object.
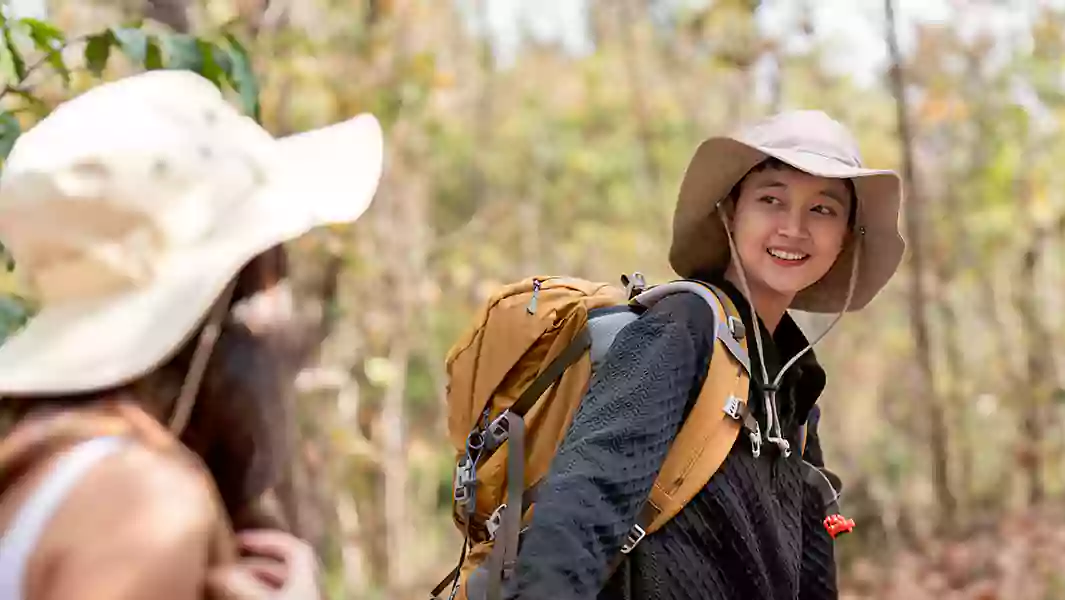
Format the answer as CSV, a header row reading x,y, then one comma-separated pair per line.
x,y
506,520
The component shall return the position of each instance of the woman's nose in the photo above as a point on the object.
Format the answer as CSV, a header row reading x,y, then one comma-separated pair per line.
x,y
793,224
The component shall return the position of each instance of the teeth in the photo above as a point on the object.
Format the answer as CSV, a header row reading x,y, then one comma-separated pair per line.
x,y
785,255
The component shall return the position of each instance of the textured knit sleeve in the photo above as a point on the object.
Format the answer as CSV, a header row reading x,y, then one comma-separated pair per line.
x,y
613,450
817,580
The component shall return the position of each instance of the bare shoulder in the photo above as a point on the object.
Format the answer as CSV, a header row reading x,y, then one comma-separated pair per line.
x,y
143,483
139,525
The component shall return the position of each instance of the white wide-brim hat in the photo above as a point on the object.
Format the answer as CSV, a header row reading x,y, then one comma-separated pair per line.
x,y
131,208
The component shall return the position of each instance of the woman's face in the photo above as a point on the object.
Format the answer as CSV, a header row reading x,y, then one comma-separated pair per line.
x,y
789,227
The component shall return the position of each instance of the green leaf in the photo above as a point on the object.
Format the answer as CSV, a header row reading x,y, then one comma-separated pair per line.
x,y
133,42
8,73
56,60
211,69
43,30
14,312
98,50
242,77
17,62
153,56
50,41
10,129
220,56
183,52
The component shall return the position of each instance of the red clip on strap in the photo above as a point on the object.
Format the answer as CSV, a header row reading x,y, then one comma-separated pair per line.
x,y
837,524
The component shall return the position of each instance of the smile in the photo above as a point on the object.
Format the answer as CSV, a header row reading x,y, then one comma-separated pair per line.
x,y
787,255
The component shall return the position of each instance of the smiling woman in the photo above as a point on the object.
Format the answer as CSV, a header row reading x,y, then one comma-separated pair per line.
x,y
781,215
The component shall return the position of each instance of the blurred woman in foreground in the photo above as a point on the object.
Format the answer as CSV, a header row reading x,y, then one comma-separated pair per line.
x,y
149,390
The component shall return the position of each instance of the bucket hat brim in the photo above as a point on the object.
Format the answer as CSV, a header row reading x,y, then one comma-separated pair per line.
x,y
325,176
700,243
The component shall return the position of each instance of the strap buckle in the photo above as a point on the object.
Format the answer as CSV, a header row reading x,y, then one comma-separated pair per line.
x,y
495,521
734,407
736,328
636,534
464,480
756,440
497,432
634,285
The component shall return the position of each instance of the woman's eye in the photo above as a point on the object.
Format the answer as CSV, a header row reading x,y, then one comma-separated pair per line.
x,y
769,200
824,210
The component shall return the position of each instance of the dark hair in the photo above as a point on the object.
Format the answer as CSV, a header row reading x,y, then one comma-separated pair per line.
x,y
240,421
773,163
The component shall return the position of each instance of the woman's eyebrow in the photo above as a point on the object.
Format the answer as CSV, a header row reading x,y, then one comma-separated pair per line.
x,y
835,196
828,193
772,183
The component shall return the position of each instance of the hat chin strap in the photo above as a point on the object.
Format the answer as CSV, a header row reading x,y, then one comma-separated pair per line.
x,y
205,345
773,433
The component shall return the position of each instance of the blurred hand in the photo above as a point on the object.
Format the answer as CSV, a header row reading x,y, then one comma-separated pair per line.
x,y
273,566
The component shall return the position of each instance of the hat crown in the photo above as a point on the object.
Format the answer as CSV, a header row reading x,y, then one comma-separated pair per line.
x,y
95,197
810,131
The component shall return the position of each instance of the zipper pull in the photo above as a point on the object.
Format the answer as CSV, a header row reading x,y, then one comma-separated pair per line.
x,y
532,302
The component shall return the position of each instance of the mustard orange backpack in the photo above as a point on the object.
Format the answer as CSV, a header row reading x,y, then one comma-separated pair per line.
x,y
514,382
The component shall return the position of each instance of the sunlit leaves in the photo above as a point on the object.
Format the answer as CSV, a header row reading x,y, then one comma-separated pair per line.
x,y
242,77
224,62
12,62
49,41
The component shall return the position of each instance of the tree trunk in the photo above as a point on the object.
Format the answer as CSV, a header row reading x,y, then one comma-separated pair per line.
x,y
1030,451
1038,348
394,465
937,423
405,237
956,390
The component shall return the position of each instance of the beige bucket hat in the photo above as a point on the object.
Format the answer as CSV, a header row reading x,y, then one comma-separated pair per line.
x,y
812,142
131,208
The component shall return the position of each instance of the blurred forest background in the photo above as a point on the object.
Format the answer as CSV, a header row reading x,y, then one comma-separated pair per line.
x,y
944,413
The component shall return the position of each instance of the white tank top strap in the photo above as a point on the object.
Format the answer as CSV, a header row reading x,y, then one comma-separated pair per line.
x,y
19,541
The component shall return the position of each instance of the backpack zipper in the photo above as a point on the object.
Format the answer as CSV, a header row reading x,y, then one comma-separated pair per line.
x,y
535,293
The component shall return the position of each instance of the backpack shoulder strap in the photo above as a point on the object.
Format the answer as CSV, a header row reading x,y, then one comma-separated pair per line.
x,y
728,325
710,430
